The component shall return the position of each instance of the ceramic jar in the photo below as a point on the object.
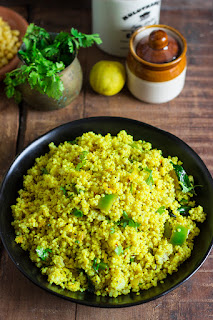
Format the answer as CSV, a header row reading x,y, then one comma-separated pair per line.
x,y
116,20
156,63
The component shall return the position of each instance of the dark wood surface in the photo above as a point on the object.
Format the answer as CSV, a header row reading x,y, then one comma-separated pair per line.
x,y
189,116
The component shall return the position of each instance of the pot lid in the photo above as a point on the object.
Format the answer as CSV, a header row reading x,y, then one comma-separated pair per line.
x,y
158,47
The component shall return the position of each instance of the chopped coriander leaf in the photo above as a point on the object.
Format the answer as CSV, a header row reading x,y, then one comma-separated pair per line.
x,y
184,210
99,266
183,179
119,250
83,155
73,142
161,210
77,213
128,221
44,171
43,253
112,230
77,241
95,265
80,165
125,215
75,188
149,180
132,259
131,187
64,190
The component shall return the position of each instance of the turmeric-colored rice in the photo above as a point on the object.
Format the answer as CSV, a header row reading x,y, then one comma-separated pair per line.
x,y
79,244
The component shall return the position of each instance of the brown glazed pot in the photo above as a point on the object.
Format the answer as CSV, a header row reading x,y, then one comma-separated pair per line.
x,y
72,78
155,82
15,21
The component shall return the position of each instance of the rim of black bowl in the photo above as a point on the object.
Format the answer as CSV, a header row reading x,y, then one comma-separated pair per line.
x,y
45,139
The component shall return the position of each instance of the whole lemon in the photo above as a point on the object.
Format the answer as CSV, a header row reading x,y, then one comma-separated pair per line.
x,y
107,77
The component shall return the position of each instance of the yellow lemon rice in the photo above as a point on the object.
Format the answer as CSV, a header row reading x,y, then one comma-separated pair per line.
x,y
80,239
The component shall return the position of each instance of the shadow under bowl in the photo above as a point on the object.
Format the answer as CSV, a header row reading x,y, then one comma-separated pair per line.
x,y
169,144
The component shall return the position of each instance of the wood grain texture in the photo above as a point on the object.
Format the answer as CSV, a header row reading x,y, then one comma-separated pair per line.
x,y
189,117
9,125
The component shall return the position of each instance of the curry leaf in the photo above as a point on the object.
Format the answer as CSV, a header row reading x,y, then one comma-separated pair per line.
x,y
184,181
184,210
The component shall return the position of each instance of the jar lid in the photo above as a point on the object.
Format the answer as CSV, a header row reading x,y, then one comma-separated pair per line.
x,y
158,47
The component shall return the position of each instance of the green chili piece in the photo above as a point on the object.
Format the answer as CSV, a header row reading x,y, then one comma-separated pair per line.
x,y
103,266
179,235
106,202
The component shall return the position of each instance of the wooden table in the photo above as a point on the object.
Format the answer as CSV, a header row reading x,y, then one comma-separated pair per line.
x,y
189,116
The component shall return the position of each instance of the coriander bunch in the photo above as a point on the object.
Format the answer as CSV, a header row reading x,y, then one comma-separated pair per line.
x,y
43,57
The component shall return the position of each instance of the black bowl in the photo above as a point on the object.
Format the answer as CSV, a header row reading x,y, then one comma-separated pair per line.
x,y
169,144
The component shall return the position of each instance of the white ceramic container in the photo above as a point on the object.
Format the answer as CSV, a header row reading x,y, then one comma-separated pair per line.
x,y
155,82
116,20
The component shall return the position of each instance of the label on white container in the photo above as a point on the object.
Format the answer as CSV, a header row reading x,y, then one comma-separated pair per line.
x,y
116,20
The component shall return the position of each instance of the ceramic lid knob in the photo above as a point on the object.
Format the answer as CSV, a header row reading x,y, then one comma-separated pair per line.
x,y
158,47
158,39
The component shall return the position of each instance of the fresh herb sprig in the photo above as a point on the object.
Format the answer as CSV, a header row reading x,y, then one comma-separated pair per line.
x,y
43,58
